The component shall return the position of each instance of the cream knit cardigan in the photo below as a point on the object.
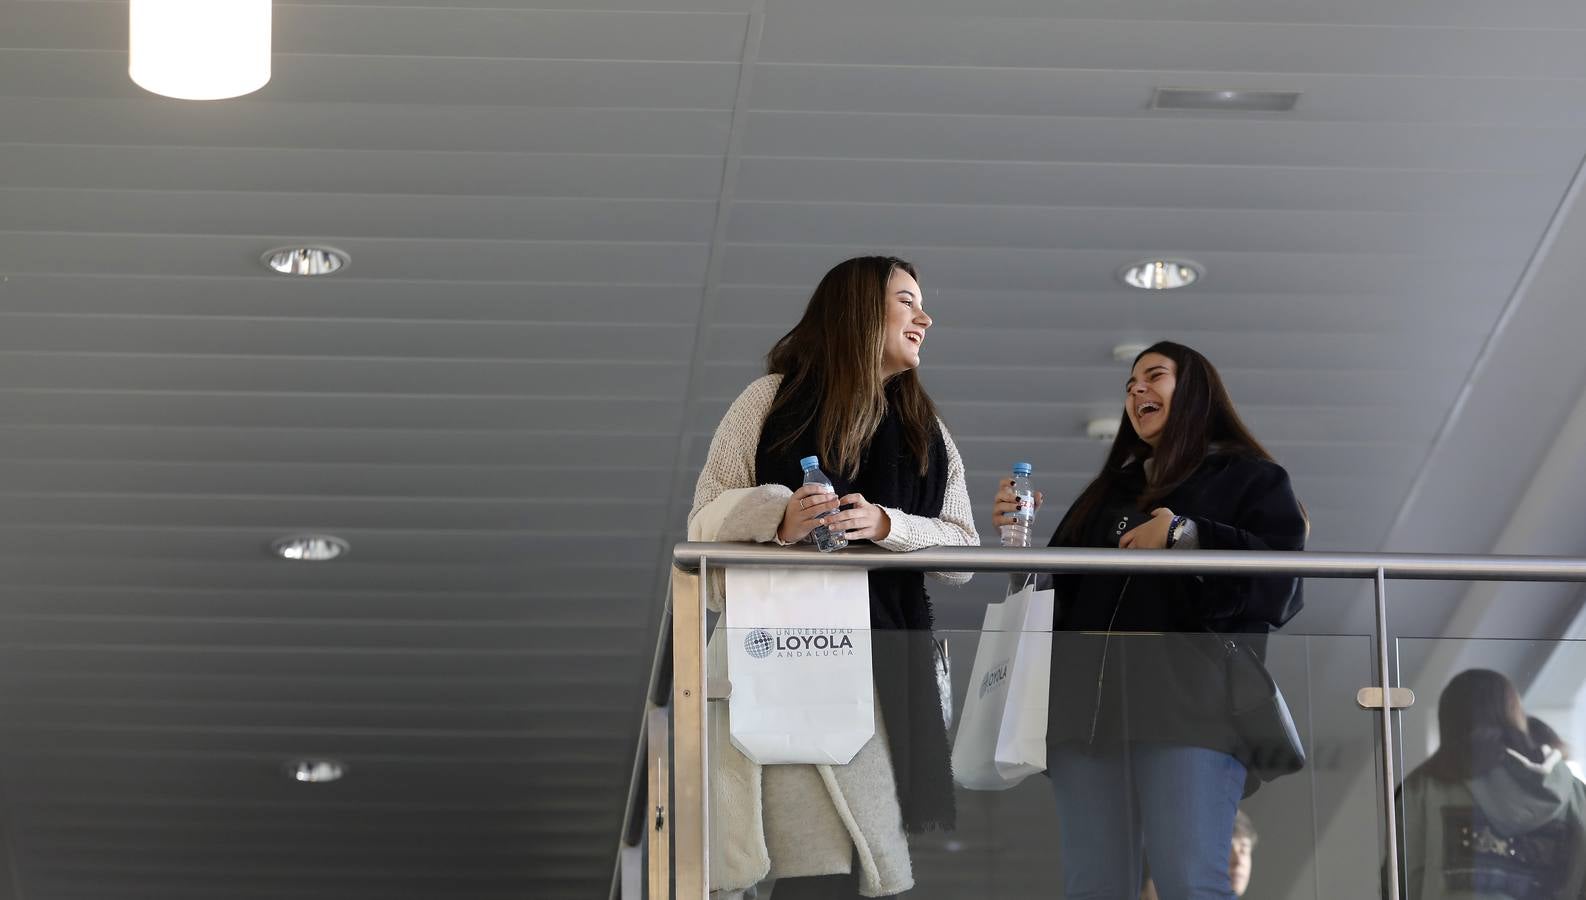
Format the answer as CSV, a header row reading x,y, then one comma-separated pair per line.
x,y
799,820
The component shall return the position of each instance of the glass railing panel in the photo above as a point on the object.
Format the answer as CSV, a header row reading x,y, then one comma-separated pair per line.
x,y
1490,799
1318,830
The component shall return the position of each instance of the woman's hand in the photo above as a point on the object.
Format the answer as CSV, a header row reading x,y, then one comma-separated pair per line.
x,y
1150,536
1007,503
862,520
803,508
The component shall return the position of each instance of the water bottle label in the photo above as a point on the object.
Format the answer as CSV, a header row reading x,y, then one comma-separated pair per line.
x,y
1024,506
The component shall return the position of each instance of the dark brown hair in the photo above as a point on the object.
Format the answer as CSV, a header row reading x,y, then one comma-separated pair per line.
x,y
1479,719
1201,414
1543,735
835,351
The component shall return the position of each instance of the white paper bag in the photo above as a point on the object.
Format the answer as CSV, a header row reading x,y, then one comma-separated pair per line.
x,y
798,656
1002,733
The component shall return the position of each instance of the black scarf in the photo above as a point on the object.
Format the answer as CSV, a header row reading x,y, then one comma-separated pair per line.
x,y
903,652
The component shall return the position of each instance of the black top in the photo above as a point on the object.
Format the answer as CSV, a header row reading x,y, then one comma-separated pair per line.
x,y
1159,675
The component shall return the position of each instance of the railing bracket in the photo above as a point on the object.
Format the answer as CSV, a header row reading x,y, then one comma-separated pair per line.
x,y
1398,698
717,689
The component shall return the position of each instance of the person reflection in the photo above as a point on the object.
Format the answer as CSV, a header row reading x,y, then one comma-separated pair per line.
x,y
1241,858
1495,812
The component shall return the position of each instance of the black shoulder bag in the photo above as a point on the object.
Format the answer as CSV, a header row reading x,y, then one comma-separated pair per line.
x,y
1260,714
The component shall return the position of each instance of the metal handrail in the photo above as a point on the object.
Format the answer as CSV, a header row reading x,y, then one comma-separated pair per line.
x,y
1437,567
657,696
690,820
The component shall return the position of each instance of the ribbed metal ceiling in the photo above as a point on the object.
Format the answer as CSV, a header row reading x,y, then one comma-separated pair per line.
x,y
574,232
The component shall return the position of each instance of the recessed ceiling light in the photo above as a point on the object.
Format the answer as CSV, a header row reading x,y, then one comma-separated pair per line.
x,y
1102,429
306,260
1162,274
310,547
1242,101
199,49
316,771
1128,352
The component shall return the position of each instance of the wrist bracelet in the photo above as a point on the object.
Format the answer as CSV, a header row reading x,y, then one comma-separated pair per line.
x,y
1174,528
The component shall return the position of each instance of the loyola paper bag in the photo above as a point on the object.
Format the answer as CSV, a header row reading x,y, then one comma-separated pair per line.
x,y
1002,733
798,655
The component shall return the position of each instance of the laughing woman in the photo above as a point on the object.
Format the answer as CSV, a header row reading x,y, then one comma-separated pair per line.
x,y
842,386
1141,745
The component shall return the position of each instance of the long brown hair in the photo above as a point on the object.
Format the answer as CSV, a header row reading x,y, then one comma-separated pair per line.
x,y
1201,414
835,352
1479,718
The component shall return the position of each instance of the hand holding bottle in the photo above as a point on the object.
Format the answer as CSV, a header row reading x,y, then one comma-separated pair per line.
x,y
1014,510
1007,503
803,512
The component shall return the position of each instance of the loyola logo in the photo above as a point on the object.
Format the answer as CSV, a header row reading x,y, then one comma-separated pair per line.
x,y
993,680
796,643
758,643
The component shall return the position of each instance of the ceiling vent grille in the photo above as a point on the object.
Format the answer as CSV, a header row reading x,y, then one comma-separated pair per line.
x,y
1242,101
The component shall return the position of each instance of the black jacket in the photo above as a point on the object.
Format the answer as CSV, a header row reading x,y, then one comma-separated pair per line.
x,y
1134,657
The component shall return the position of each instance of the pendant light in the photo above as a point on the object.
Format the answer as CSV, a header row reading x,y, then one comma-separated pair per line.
x,y
200,49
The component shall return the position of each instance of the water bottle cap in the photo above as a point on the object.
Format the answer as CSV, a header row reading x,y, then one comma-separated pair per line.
x,y
1022,469
810,462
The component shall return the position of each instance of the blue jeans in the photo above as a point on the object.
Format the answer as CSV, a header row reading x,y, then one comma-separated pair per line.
x,y
1177,803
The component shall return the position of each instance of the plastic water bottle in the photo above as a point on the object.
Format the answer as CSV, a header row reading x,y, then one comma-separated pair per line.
x,y
826,539
1018,533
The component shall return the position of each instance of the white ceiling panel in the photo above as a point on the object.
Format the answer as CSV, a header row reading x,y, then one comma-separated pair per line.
x,y
628,572
503,639
294,410
672,6
446,81
208,336
420,637
148,122
799,33
411,30
347,297
576,227
546,480
305,606
337,445
345,172
267,374
1168,185
1025,92
1095,227
202,775
530,517
412,258
1162,140
1543,14
357,215
381,743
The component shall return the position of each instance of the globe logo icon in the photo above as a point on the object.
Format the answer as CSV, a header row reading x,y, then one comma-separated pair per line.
x,y
759,643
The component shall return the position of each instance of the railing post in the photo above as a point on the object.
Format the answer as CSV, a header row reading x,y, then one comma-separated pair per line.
x,y
658,814
690,818
1389,781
